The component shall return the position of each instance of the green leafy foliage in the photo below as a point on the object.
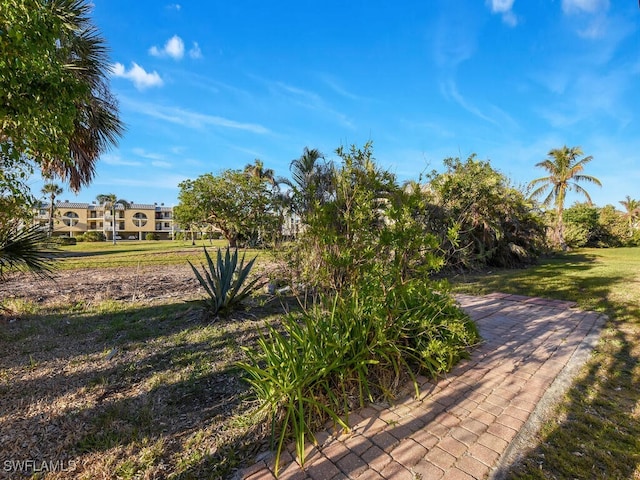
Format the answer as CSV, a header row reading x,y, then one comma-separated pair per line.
x,y
352,349
94,236
369,230
225,281
238,204
480,218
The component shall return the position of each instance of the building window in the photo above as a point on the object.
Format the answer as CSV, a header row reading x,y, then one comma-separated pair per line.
x,y
139,220
70,219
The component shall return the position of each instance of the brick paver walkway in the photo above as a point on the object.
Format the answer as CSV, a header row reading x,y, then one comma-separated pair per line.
x,y
469,424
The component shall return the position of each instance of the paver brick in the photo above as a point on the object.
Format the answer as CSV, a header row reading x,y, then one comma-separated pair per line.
x,y
483,454
472,466
385,441
427,471
440,458
352,465
408,453
452,446
376,458
494,443
394,470
323,470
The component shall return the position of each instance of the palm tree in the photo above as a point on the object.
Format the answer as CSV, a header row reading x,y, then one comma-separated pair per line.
x,y
257,170
312,181
632,212
564,172
53,190
97,126
110,201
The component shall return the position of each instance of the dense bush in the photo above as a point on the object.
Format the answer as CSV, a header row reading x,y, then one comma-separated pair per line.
x,y
369,231
152,236
480,218
590,226
64,240
94,236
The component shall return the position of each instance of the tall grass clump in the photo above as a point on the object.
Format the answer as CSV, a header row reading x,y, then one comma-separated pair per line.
x,y
353,349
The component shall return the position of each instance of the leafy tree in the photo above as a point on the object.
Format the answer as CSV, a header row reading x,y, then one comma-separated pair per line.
x,y
56,108
239,205
56,112
564,170
581,226
110,201
480,218
53,190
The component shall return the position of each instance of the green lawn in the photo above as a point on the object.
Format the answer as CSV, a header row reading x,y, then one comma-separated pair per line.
x,y
132,253
596,430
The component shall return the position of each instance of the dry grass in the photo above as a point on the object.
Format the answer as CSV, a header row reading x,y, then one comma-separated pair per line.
x,y
115,388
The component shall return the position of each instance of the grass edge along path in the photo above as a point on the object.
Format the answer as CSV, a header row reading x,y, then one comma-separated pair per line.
x,y
595,431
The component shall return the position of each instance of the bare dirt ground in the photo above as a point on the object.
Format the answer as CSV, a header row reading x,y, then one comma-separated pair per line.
x,y
93,285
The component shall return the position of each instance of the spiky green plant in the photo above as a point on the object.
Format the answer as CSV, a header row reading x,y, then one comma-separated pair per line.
x,y
26,249
224,281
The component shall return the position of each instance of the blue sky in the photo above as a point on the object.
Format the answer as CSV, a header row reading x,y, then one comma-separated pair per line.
x,y
209,85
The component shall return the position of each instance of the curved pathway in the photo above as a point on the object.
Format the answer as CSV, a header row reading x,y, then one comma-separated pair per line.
x,y
473,423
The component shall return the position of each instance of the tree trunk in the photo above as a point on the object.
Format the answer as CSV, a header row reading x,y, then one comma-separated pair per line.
x,y
51,216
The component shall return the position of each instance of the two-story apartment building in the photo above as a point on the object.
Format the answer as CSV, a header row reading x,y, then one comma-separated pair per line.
x,y
132,223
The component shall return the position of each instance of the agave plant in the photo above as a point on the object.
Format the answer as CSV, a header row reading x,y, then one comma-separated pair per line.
x,y
224,281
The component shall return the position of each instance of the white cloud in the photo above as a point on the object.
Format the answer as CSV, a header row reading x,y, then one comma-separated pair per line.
x,y
161,164
174,6
195,51
141,152
309,100
174,48
189,119
111,159
584,6
505,8
139,76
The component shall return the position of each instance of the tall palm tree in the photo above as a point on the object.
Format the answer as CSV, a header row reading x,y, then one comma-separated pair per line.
x,y
110,201
564,169
97,126
53,190
632,213
257,170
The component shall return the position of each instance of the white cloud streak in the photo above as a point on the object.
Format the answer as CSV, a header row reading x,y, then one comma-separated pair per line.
x,y
190,119
139,76
571,7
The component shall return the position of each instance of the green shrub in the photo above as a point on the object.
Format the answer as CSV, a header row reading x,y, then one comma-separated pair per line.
x,y
64,240
152,236
80,237
224,281
94,236
354,349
